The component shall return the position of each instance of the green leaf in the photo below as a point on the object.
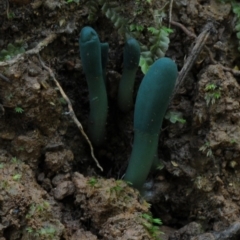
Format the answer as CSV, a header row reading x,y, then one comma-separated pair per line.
x,y
157,221
18,110
153,30
174,117
167,30
17,177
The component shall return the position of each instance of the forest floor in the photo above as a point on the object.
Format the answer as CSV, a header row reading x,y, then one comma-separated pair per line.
x,y
50,184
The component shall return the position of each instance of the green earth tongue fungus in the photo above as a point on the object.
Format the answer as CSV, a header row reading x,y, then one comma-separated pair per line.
x,y
131,57
151,104
90,53
104,56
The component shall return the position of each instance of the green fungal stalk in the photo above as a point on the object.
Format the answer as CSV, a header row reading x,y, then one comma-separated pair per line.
x,y
90,53
131,58
104,55
151,104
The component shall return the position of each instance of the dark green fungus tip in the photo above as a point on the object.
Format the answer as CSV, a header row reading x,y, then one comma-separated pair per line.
x,y
88,34
131,57
104,54
90,53
151,104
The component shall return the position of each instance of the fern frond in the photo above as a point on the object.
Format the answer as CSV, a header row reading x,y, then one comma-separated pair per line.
x,y
93,8
153,45
111,11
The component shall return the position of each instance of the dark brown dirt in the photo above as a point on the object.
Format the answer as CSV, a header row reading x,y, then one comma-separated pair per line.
x,y
51,188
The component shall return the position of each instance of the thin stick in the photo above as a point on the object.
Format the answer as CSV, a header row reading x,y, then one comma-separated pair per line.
x,y
170,13
4,78
192,35
200,41
7,8
189,33
45,42
71,112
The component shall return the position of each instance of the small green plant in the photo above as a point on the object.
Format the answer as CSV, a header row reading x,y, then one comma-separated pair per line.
x,y
9,96
10,15
34,208
48,232
71,1
11,51
21,148
42,206
4,184
160,165
159,43
212,93
92,182
62,101
118,187
210,87
128,183
29,230
158,39
233,141
32,232
136,27
206,148
15,160
18,110
31,211
175,117
152,225
17,177
1,165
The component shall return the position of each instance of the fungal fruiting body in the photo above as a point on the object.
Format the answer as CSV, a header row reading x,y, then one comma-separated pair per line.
x,y
151,104
90,53
131,57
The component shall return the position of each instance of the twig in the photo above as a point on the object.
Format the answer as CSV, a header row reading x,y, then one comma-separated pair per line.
x,y
192,35
200,41
45,42
71,112
189,33
233,71
170,13
7,8
4,78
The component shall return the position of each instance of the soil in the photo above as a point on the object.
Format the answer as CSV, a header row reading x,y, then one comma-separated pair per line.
x,y
50,185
